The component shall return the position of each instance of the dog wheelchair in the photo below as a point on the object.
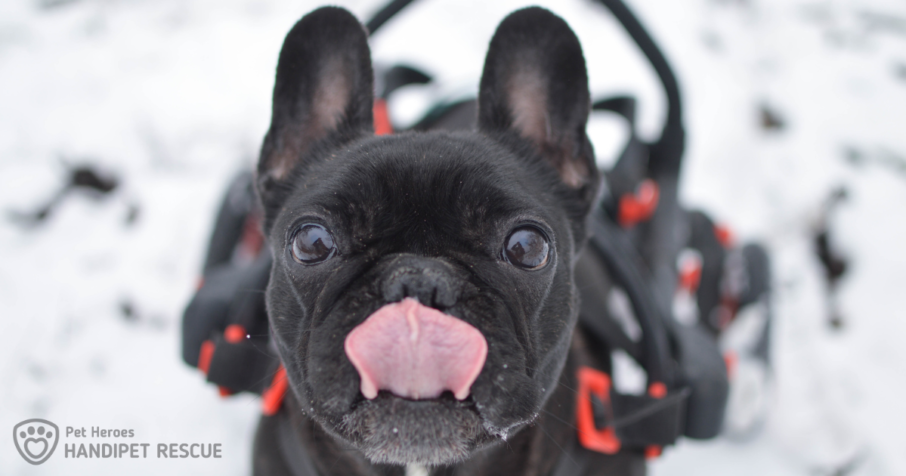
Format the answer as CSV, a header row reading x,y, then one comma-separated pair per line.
x,y
663,285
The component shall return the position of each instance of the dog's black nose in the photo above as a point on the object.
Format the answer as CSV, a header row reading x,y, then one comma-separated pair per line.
x,y
431,281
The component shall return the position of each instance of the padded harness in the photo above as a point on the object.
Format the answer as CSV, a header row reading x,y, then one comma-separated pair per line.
x,y
632,244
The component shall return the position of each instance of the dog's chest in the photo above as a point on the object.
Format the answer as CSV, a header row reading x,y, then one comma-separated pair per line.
x,y
416,470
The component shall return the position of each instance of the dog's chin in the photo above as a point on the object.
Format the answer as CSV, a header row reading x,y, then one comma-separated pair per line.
x,y
394,430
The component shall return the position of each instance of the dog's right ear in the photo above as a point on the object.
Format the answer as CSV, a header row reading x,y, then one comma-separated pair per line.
x,y
323,91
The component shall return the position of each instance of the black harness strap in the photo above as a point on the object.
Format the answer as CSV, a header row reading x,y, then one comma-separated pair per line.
x,y
625,265
385,14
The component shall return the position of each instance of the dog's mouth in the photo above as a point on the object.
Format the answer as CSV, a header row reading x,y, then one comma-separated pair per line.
x,y
416,367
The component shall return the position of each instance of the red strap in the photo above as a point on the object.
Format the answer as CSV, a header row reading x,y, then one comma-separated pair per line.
x,y
730,360
205,355
724,235
640,206
252,239
382,125
690,275
272,398
595,382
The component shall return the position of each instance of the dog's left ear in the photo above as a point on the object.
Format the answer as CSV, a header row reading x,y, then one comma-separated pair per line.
x,y
535,84
323,93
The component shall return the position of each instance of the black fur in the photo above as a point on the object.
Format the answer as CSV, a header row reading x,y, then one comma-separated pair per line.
x,y
426,215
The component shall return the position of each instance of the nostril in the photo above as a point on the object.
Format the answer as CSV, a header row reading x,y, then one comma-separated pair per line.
x,y
429,286
445,296
396,289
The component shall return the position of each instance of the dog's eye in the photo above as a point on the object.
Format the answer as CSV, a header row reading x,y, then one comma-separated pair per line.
x,y
312,243
527,248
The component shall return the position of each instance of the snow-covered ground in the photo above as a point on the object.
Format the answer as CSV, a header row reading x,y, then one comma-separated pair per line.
x,y
172,97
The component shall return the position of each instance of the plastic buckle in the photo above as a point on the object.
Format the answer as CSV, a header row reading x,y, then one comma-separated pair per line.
x,y
597,383
638,207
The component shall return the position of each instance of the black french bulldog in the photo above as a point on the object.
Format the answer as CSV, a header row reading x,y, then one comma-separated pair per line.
x,y
422,297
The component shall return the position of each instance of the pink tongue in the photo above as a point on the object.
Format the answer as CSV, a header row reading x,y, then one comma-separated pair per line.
x,y
415,352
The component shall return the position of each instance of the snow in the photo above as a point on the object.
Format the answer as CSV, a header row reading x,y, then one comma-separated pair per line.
x,y
172,96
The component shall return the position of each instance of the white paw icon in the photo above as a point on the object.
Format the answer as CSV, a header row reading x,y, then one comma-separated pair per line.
x,y
36,439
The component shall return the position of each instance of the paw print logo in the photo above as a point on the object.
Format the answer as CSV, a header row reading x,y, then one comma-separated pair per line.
x,y
36,439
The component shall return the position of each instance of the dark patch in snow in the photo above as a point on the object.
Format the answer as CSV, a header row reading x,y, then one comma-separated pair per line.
x,y
854,156
845,469
882,22
712,41
770,119
81,177
834,263
127,310
132,214
891,160
899,70
36,371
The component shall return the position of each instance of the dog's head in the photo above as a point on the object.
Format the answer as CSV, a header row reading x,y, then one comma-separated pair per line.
x,y
422,296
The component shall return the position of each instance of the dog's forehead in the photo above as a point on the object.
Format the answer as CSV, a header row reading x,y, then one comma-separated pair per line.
x,y
435,177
